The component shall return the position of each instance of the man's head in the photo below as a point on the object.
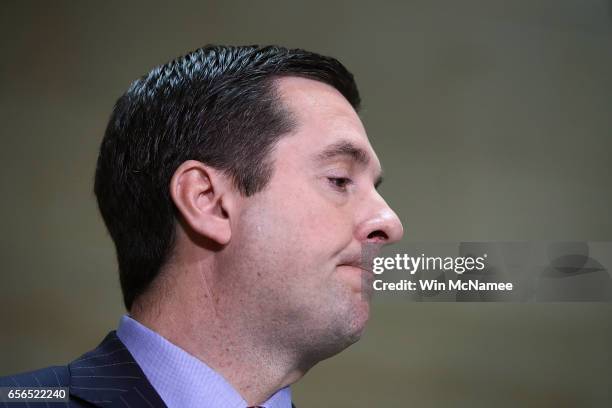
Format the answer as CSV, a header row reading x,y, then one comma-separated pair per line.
x,y
250,165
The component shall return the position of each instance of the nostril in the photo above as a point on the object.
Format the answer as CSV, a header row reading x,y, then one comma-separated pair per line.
x,y
378,235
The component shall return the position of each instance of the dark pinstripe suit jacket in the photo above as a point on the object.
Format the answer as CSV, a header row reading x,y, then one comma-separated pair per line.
x,y
105,377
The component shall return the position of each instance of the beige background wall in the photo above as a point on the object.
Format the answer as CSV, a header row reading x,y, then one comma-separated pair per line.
x,y
492,119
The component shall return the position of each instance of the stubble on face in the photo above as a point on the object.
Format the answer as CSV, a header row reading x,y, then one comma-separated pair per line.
x,y
291,296
286,265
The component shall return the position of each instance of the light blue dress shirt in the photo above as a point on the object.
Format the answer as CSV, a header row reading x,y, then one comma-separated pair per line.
x,y
180,379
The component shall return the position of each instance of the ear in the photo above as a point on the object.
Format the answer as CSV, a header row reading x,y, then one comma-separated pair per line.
x,y
203,196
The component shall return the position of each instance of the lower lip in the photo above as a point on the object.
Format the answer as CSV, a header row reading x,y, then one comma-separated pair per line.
x,y
357,277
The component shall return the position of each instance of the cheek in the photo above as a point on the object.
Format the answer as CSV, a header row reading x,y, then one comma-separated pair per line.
x,y
296,228
312,220
271,235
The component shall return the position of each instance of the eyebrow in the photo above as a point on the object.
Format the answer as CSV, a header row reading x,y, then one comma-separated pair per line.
x,y
348,149
344,148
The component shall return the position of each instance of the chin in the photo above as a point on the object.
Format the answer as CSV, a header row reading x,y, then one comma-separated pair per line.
x,y
347,329
360,319
357,319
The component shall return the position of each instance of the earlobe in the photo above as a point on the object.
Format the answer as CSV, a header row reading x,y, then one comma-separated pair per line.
x,y
202,196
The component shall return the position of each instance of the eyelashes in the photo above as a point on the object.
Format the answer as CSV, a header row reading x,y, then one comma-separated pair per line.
x,y
340,183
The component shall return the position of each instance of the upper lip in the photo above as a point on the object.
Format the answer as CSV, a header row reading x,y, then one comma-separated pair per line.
x,y
362,259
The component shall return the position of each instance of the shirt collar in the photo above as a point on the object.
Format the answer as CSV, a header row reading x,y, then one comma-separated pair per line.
x,y
181,379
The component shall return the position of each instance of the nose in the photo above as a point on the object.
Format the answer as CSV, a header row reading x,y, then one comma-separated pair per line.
x,y
380,225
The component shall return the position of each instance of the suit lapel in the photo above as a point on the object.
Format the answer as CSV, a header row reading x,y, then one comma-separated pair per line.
x,y
109,377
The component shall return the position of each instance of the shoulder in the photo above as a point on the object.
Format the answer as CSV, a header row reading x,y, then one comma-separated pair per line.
x,y
56,376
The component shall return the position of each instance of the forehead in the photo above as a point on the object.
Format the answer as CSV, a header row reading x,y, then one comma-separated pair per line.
x,y
323,116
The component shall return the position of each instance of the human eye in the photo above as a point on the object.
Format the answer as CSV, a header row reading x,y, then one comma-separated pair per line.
x,y
340,183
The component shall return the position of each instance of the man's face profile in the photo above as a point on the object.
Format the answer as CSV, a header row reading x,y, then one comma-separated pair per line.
x,y
297,245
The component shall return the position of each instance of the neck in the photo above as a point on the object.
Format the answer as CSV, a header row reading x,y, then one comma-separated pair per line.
x,y
213,325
